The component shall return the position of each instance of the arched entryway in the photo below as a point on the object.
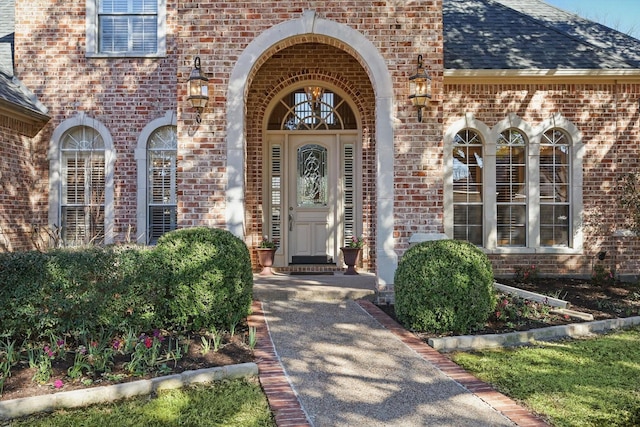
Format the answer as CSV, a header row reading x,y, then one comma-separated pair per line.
x,y
310,28
312,174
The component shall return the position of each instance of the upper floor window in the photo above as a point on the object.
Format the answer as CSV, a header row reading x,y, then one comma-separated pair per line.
x,y
513,188
126,27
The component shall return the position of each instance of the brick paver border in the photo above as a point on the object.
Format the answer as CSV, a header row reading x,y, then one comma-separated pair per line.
x,y
288,411
282,399
507,406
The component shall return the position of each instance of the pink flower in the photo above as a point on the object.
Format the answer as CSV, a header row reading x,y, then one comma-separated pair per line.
x,y
117,344
148,342
58,384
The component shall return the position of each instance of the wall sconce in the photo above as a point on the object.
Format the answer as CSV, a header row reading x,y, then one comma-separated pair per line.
x,y
420,86
198,89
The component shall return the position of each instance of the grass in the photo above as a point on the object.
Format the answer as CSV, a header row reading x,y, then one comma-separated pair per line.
x,y
237,403
587,382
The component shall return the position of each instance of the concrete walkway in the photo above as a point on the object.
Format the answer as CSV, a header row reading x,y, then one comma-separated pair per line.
x,y
328,361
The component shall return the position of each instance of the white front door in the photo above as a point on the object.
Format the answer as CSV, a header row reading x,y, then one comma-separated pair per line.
x,y
313,164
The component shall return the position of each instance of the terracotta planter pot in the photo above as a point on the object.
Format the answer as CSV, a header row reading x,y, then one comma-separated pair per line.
x,y
265,257
350,256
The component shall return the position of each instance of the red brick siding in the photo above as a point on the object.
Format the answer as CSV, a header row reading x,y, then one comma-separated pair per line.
x,y
23,192
123,94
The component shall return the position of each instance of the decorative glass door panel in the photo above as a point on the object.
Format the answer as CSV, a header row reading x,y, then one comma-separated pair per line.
x,y
312,176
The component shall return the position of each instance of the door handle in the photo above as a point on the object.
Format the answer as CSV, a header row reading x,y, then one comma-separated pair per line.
x,y
290,222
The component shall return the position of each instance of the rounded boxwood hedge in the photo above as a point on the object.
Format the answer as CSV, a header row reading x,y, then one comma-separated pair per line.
x,y
444,286
206,276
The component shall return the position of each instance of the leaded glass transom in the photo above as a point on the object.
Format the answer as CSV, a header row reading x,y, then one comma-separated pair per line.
x,y
297,111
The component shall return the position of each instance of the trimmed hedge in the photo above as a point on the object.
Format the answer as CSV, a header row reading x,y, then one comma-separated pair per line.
x,y
444,286
193,279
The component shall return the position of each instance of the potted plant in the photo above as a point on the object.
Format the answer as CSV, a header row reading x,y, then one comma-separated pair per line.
x,y
266,253
351,252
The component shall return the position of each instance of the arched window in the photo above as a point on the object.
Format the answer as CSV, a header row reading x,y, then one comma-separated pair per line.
x,y
468,190
156,154
161,182
312,108
82,186
513,188
555,188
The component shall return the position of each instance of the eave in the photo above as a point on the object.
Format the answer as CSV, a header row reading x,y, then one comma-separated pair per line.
x,y
20,119
586,76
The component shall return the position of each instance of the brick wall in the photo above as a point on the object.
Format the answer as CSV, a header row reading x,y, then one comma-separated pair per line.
x,y
23,192
607,115
123,94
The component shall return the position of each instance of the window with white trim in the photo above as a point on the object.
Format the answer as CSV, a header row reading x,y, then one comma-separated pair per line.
x,y
514,189
161,185
126,28
82,187
468,193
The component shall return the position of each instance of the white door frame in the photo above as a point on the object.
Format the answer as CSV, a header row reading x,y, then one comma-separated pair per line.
x,y
280,147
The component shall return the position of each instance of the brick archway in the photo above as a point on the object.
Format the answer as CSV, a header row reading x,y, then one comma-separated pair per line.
x,y
261,48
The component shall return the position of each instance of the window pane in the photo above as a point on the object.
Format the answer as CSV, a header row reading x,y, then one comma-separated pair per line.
x,y
555,189
144,34
511,188
512,225
162,219
468,190
114,34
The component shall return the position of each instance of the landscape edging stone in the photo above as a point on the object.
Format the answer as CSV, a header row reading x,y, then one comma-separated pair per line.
x,y
511,339
26,406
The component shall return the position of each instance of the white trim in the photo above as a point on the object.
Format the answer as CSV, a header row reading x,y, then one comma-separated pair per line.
x,y
169,119
381,82
452,76
54,171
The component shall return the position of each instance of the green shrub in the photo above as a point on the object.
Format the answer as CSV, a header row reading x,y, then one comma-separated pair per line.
x,y
194,278
66,291
444,286
206,276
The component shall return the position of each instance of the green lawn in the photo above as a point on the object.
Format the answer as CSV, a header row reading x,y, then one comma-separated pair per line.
x,y
238,403
586,382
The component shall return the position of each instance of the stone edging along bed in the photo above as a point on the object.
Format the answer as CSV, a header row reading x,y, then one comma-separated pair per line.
x,y
23,407
574,330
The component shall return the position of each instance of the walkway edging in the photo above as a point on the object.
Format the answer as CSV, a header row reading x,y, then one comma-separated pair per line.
x,y
26,406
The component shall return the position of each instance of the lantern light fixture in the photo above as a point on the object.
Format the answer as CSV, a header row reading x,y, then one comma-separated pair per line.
x,y
198,89
420,87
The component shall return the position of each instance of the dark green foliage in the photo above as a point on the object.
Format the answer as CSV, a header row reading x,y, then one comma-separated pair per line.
x,y
208,278
193,279
444,286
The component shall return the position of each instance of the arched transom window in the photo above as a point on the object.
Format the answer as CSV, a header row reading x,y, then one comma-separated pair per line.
x,y
312,108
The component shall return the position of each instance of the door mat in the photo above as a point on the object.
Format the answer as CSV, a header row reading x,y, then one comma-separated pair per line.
x,y
311,273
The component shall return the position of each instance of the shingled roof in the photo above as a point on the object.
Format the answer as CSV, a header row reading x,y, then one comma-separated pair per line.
x,y
19,108
530,35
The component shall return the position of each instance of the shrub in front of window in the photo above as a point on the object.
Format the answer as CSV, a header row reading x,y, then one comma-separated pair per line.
x,y
444,286
206,280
